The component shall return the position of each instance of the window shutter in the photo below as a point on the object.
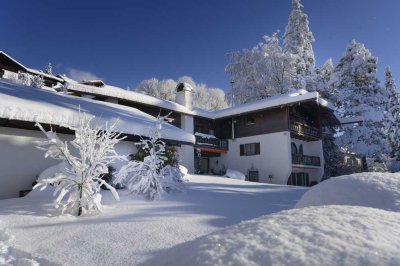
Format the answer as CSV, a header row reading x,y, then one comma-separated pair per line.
x,y
242,150
257,148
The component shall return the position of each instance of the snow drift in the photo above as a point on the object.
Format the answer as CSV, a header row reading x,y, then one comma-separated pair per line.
x,y
331,235
376,190
235,174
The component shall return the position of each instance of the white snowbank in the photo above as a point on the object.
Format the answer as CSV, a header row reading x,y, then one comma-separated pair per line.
x,y
132,230
18,102
183,170
332,235
235,174
376,190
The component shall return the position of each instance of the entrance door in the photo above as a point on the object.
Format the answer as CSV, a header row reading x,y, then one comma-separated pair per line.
x,y
204,165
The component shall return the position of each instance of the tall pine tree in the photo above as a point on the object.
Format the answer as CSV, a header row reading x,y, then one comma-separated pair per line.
x,y
358,93
332,154
298,41
393,125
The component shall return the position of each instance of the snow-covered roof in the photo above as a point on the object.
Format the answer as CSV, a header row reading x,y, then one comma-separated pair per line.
x,y
18,102
351,120
276,101
119,93
30,70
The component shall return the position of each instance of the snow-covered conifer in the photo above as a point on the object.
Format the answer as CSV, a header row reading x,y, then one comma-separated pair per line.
x,y
78,187
332,154
150,177
358,93
298,41
49,69
393,123
143,177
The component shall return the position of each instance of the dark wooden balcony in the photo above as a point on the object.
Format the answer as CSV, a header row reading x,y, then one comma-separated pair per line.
x,y
212,143
304,132
306,160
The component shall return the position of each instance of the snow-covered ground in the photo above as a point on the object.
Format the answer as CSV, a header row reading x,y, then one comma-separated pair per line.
x,y
376,190
329,235
134,230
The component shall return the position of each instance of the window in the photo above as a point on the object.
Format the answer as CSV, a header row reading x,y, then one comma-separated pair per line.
x,y
249,149
301,149
249,120
294,148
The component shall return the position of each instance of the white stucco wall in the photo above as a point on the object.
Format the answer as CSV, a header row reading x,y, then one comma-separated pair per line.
x,y
21,162
186,152
274,158
311,148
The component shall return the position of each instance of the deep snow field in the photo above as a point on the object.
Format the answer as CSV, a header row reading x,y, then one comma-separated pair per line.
x,y
347,220
132,230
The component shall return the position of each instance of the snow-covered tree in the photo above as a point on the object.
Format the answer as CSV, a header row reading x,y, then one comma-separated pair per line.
x,y
332,154
162,89
37,81
298,41
30,80
204,97
261,72
358,93
393,123
49,69
78,187
150,177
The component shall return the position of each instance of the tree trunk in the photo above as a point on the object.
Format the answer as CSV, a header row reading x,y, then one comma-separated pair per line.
x,y
80,200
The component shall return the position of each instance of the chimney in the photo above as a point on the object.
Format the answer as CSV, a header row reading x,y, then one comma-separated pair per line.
x,y
184,95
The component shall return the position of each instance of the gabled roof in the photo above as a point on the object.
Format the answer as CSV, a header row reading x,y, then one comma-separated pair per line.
x,y
22,103
136,97
19,66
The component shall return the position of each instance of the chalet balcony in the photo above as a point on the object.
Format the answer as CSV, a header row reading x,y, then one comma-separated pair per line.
x,y
301,159
304,132
211,143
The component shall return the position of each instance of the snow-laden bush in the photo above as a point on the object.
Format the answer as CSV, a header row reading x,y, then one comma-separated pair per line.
x,y
234,174
376,190
30,80
78,186
150,177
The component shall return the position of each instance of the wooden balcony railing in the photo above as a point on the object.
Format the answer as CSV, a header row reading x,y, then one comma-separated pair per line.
x,y
215,143
306,160
305,131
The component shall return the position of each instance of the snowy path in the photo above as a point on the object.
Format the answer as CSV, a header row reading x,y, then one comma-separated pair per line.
x,y
134,230
9,255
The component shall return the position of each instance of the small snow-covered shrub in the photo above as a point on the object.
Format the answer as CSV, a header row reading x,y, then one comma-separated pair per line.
x,y
329,235
376,190
149,177
234,174
78,186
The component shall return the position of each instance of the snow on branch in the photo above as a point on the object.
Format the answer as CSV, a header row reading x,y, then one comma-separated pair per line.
x,y
78,187
150,177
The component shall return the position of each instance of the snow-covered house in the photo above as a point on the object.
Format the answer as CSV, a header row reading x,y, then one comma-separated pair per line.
x,y
21,106
274,140
11,69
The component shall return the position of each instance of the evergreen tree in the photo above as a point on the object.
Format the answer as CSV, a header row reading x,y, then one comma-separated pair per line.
x,y
332,154
393,124
298,41
49,69
357,91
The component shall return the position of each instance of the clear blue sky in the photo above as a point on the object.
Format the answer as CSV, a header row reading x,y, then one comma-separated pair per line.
x,y
124,42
